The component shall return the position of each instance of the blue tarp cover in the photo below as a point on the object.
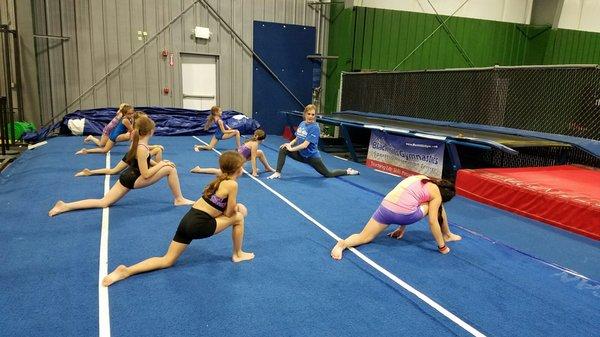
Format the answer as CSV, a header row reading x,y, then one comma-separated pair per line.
x,y
169,122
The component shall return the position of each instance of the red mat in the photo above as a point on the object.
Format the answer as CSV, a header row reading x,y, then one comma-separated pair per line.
x,y
565,196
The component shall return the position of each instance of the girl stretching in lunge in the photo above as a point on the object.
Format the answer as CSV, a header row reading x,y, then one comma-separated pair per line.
x,y
304,148
141,173
411,200
119,130
223,131
124,109
216,210
249,151
156,151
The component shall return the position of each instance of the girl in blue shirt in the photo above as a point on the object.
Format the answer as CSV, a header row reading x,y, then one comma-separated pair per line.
x,y
304,149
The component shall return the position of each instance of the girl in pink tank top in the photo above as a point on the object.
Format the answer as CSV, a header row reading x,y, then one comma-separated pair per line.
x,y
410,201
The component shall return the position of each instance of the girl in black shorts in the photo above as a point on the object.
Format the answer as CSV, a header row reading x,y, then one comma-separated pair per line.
x,y
156,151
216,210
141,172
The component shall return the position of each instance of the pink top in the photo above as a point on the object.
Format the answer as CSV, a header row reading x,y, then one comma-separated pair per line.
x,y
406,200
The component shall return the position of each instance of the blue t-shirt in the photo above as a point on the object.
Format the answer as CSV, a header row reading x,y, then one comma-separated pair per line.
x,y
311,133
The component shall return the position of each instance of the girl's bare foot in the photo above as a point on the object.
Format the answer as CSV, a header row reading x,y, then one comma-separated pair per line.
x,y
88,139
398,233
58,208
275,175
196,170
183,201
337,251
198,148
84,172
452,237
82,151
242,256
269,169
117,275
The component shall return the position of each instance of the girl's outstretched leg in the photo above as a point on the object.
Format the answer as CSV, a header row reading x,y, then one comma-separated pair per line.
x,y
122,272
113,195
369,232
207,170
117,169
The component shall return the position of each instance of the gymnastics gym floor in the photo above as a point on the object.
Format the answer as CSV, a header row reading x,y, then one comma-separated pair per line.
x,y
508,276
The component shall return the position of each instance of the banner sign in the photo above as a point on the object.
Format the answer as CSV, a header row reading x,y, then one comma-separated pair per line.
x,y
405,156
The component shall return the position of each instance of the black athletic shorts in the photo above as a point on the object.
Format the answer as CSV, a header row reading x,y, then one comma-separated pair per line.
x,y
128,177
195,224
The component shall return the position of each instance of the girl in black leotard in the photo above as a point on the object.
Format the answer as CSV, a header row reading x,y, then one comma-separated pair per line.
x,y
142,172
216,210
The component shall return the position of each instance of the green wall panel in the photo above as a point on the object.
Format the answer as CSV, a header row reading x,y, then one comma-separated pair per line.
x,y
378,39
341,27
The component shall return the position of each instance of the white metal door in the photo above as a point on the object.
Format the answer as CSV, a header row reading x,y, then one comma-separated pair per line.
x,y
199,77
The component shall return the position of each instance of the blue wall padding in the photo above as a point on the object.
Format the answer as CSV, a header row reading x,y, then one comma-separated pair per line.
x,y
284,49
169,122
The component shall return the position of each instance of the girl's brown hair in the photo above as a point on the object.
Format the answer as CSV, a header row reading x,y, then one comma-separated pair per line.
x,y
447,192
137,114
213,112
142,127
259,134
229,163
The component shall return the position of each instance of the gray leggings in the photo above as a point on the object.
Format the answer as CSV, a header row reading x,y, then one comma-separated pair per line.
x,y
315,162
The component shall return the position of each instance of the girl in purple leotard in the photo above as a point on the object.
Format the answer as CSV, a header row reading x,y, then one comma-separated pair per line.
x,y
250,151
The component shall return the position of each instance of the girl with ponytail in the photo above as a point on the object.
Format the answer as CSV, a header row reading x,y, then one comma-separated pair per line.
x,y
250,151
411,200
142,172
215,211
118,130
156,152
222,132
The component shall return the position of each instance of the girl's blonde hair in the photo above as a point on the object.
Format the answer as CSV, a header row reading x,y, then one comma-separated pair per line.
x,y
142,127
213,113
310,107
259,134
229,163
124,107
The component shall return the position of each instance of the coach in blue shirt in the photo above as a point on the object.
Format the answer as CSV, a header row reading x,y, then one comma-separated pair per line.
x,y
304,149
